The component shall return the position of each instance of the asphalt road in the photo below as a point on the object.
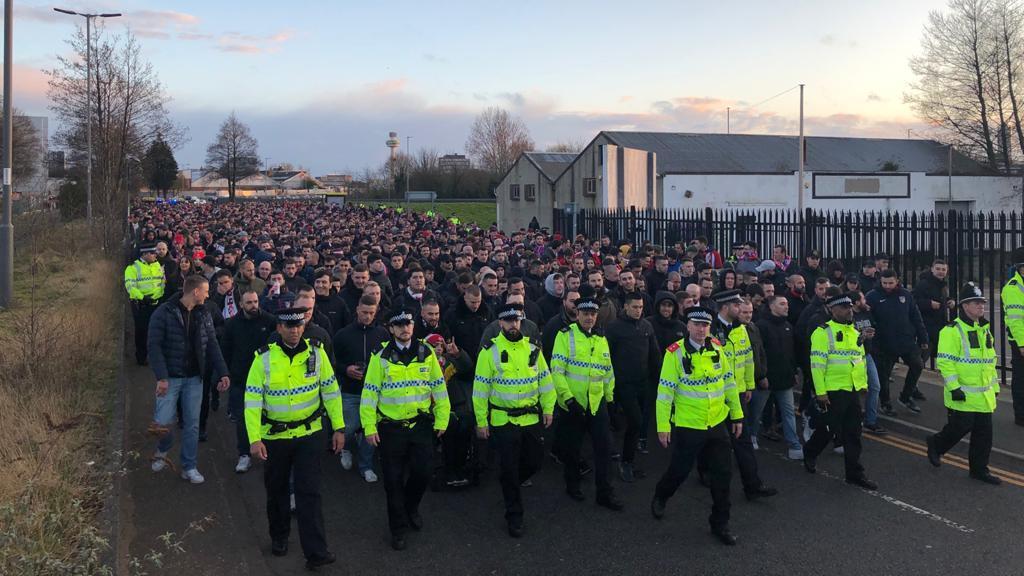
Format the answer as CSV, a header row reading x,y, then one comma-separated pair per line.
x,y
921,521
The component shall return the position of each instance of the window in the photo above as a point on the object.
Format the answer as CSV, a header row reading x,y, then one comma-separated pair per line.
x,y
531,192
513,191
590,186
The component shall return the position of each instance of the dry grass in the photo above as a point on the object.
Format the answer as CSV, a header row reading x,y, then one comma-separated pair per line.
x,y
58,361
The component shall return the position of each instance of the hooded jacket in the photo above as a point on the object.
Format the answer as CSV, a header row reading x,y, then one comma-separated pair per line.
x,y
466,326
666,330
551,303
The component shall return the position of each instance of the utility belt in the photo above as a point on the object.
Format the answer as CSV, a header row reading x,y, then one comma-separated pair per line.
x,y
279,426
420,417
513,412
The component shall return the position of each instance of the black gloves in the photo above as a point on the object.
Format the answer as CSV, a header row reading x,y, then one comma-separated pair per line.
x,y
573,407
958,395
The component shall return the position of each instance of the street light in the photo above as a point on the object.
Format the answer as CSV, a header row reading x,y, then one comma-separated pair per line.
x,y
408,167
88,98
6,223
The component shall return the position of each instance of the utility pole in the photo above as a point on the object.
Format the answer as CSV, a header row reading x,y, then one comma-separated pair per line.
x,y
6,224
800,152
949,167
408,168
728,119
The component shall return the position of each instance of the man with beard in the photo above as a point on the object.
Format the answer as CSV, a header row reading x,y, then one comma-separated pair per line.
x,y
609,310
468,321
931,294
513,394
246,278
243,335
901,335
627,285
429,321
668,328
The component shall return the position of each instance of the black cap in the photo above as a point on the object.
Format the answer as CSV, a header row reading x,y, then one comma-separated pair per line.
x,y
1018,257
737,245
839,300
292,316
587,303
511,312
816,254
400,316
726,296
969,292
147,248
699,314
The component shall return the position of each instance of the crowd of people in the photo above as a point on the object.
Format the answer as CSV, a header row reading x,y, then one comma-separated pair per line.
x,y
406,335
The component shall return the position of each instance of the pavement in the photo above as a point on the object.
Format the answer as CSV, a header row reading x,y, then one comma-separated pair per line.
x,y
922,520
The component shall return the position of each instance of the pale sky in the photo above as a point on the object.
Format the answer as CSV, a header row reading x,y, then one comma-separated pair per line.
x,y
321,82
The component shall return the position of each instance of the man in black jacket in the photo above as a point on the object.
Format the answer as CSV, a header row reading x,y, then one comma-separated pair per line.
x,y
561,320
636,361
243,335
354,344
668,328
468,321
182,345
931,294
330,305
780,353
901,336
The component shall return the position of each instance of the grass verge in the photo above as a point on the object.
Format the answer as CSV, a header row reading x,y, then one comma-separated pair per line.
x,y
58,367
483,213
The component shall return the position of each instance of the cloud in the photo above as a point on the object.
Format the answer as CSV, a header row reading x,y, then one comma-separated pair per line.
x,y
253,44
194,36
434,58
30,87
872,97
833,40
513,98
827,40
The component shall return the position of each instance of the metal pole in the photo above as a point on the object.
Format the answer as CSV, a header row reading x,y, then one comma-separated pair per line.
x,y
728,119
88,117
949,164
6,225
800,152
408,167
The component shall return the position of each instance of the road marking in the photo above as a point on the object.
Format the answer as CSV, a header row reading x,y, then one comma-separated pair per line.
x,y
918,427
952,459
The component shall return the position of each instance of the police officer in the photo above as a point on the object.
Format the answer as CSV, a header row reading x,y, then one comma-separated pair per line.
x,y
513,393
698,411
966,358
1012,297
839,372
584,381
403,398
144,280
736,343
290,386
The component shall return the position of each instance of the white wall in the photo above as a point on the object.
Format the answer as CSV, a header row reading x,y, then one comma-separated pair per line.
x,y
779,191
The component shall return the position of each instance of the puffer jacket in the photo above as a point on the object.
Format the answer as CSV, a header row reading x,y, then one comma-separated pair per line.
x,y
666,330
167,349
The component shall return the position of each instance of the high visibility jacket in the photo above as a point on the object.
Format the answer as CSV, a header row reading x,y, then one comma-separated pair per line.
x,y
837,360
1012,297
403,391
697,388
966,358
287,389
511,375
142,279
736,344
582,368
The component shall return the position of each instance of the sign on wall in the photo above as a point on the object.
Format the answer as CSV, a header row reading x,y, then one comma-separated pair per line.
x,y
867,186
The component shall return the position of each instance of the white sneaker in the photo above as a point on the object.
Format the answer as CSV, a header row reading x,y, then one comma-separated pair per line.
x,y
796,454
244,463
193,476
753,440
369,476
159,462
839,450
291,503
346,460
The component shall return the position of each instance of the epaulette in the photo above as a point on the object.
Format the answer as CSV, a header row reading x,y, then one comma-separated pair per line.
x,y
1013,282
487,345
315,342
673,347
263,349
566,328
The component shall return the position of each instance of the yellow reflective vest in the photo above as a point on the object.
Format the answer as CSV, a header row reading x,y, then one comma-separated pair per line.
x,y
1012,298
402,392
286,389
837,359
966,358
581,366
142,279
696,388
740,353
511,375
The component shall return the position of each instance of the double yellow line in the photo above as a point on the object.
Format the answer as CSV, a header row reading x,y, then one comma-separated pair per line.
x,y
949,459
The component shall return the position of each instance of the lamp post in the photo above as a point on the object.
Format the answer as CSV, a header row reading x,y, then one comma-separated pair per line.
x,y
408,168
6,224
88,98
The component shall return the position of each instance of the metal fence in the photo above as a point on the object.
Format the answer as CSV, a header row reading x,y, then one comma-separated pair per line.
x,y
976,245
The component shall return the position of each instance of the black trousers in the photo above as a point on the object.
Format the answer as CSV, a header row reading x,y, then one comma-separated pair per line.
x,y
1017,381
573,427
887,360
457,440
298,457
711,445
843,420
743,449
520,453
141,313
631,399
406,455
979,424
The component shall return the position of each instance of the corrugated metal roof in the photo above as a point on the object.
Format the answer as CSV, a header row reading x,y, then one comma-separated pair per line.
x,y
753,153
551,164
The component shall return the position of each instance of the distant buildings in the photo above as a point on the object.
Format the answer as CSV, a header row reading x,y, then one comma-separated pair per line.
x,y
36,185
453,163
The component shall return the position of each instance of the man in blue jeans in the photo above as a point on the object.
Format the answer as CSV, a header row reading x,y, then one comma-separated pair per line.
x,y
182,345
780,354
864,322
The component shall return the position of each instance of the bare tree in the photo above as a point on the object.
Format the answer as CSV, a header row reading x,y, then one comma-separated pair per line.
x,y
496,140
570,146
26,149
1010,22
233,154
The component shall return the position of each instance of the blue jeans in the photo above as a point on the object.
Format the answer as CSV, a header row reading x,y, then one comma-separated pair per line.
x,y
784,400
874,387
350,409
191,392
